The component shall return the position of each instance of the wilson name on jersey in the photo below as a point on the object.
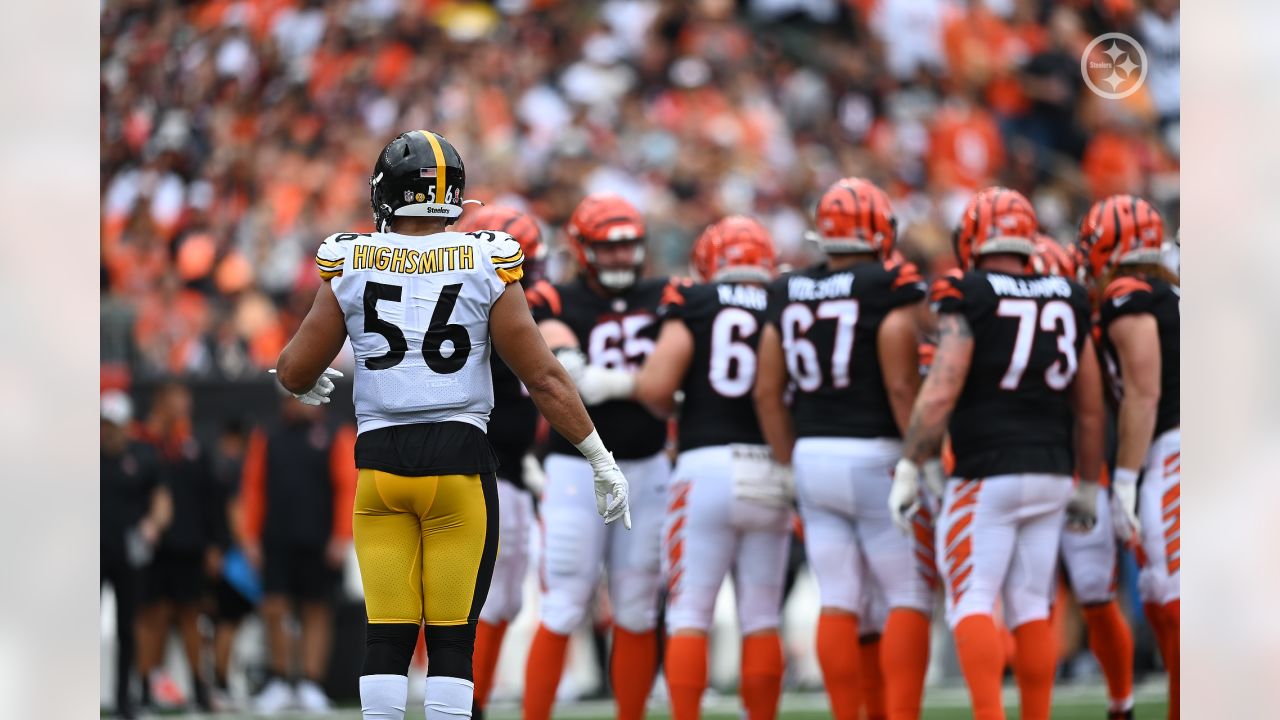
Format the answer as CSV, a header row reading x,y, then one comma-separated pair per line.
x,y
417,312
1159,298
1014,414
616,331
725,321
829,321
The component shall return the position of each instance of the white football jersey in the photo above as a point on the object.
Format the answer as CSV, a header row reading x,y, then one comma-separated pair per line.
x,y
417,312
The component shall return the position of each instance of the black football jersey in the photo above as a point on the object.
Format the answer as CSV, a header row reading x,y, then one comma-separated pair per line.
x,y
1014,413
725,321
829,321
1136,295
616,331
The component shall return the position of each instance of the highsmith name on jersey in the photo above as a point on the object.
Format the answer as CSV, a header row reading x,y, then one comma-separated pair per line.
x,y
417,312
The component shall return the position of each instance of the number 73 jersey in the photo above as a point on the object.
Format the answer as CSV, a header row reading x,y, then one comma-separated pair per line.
x,y
1014,414
417,312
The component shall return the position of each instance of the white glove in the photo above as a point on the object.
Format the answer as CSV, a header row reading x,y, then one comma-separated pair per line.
x,y
597,384
935,478
904,496
775,488
534,478
574,362
1082,508
608,481
319,393
1124,504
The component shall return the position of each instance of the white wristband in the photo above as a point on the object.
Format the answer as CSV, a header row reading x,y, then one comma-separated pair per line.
x,y
1124,476
592,448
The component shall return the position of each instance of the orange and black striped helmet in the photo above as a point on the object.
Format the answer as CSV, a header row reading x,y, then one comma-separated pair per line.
x,y
996,220
519,225
1121,230
735,249
606,218
1052,258
855,216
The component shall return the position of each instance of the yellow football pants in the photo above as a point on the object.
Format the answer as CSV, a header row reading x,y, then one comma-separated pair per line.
x,y
426,545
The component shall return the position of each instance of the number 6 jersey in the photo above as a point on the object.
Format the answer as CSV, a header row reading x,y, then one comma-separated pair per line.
x,y
417,312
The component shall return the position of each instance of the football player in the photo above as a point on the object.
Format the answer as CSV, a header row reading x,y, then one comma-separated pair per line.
x,y
845,333
1122,237
605,319
420,304
512,426
1090,557
729,506
1016,383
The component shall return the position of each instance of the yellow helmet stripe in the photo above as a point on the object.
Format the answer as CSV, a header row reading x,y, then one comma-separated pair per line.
x,y
435,149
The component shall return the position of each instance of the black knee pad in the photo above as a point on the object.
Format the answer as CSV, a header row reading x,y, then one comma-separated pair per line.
x,y
449,650
388,648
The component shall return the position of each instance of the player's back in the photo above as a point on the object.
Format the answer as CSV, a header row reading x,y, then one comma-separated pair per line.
x,y
829,321
725,321
616,331
1014,414
417,312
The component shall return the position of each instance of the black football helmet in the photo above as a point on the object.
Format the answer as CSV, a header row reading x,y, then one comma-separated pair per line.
x,y
419,174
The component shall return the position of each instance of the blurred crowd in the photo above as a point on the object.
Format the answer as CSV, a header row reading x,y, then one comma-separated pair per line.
x,y
237,134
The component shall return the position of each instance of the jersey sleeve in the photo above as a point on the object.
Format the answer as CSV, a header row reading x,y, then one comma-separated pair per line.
x,y
906,285
948,293
1126,296
675,299
331,257
777,301
506,259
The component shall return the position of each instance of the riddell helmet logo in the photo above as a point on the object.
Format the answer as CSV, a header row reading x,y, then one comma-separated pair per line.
x,y
1114,66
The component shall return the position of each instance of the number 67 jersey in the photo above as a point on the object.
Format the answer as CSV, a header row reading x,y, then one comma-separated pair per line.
x,y
417,312
1014,414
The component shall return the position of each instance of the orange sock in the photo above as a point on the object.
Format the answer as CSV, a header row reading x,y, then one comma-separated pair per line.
x,y
838,658
1034,666
686,670
871,671
1172,615
484,660
1112,643
761,675
904,654
980,650
542,673
632,666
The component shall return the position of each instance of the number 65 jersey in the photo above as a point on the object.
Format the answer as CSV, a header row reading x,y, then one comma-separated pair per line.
x,y
417,312
1014,414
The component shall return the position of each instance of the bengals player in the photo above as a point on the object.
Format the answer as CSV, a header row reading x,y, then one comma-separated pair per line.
x,y
1090,557
846,333
513,424
1122,238
604,320
1016,385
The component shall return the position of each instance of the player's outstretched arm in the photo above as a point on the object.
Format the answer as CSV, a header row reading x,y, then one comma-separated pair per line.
x,y
304,361
771,385
898,344
663,373
520,344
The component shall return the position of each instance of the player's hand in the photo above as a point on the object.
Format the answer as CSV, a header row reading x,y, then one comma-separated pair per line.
x,y
319,393
610,481
935,478
335,553
1124,504
775,488
574,362
1082,508
597,384
534,478
904,496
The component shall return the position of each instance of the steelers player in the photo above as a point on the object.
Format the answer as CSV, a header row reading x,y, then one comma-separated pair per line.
x,y
420,304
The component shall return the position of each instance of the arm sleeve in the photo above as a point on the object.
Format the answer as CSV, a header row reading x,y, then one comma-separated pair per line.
x,y
906,285
343,473
253,486
948,294
505,260
674,300
1126,296
332,255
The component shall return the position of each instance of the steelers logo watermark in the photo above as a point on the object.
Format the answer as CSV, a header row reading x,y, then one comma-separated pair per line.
x,y
1114,66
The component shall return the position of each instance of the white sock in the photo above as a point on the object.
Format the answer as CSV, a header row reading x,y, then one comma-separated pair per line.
x,y
383,697
448,698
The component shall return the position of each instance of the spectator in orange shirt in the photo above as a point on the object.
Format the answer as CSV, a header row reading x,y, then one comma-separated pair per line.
x,y
296,496
966,151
